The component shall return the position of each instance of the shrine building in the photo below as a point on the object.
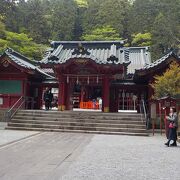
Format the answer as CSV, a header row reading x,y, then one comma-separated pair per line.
x,y
80,73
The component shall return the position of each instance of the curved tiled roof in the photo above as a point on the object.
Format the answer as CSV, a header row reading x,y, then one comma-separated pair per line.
x,y
100,56
24,62
158,62
102,52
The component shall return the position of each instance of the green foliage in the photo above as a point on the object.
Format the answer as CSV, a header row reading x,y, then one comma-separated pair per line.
x,y
81,3
163,36
102,33
24,44
141,22
63,20
142,15
161,19
113,13
106,13
21,43
2,30
3,45
142,39
34,21
168,83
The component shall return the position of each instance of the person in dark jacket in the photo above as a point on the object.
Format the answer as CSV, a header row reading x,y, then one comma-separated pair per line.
x,y
173,125
46,99
50,98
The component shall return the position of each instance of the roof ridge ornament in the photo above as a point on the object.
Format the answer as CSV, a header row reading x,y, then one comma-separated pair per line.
x,y
80,50
113,57
9,50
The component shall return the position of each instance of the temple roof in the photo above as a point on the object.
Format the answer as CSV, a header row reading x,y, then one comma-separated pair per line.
x,y
159,62
24,62
158,66
102,52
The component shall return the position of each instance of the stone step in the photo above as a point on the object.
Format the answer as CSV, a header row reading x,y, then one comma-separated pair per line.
x,y
74,113
78,120
79,116
78,131
56,118
70,121
50,126
87,124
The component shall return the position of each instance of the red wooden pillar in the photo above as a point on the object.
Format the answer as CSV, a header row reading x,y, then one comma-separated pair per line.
x,y
40,96
82,94
68,95
62,94
150,94
106,92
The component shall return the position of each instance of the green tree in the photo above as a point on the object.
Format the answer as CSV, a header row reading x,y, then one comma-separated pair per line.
x,y
21,43
9,12
106,13
34,20
113,13
63,20
81,3
161,18
163,36
90,20
2,29
168,83
142,15
102,33
142,39
25,45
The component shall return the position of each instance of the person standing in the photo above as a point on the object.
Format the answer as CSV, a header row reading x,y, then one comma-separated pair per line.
x,y
173,125
46,99
100,103
50,98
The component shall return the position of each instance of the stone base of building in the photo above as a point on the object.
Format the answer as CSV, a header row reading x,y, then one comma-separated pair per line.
x,y
61,107
106,109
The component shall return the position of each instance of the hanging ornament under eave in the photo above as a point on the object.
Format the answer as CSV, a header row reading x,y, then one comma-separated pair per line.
x,y
77,81
97,79
88,80
67,79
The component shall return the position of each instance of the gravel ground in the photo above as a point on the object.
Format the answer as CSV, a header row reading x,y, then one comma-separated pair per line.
x,y
126,158
73,156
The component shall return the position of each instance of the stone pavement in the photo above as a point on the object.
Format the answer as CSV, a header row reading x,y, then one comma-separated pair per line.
x,y
3,125
7,136
68,156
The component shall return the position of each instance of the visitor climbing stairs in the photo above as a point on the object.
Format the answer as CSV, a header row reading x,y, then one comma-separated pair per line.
x,y
81,122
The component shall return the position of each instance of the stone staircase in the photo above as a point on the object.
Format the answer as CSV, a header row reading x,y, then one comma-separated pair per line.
x,y
82,122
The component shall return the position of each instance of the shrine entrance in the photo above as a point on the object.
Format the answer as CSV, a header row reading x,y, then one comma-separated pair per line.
x,y
85,84
87,96
125,98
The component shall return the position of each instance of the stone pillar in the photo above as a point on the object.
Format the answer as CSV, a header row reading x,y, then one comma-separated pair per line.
x,y
106,91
